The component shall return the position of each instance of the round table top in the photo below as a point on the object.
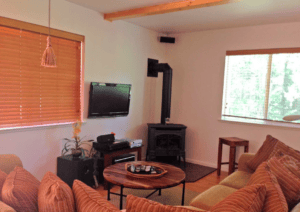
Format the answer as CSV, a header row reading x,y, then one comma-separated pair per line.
x,y
116,174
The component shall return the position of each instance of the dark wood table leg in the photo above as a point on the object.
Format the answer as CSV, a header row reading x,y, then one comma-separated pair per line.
x,y
231,160
183,190
219,158
159,192
246,149
121,197
183,156
107,162
139,154
108,191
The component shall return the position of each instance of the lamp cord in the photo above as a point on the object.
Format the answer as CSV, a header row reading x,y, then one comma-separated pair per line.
x,y
49,19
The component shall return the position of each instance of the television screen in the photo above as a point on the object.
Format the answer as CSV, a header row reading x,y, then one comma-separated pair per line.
x,y
109,99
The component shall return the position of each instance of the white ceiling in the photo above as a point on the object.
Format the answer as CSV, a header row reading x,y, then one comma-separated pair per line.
x,y
238,14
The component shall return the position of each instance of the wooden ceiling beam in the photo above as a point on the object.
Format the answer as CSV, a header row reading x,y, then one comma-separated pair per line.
x,y
164,8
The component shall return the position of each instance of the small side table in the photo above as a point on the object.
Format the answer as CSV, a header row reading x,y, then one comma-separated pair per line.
x,y
233,142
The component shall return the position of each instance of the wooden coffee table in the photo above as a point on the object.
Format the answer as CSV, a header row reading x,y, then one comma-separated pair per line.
x,y
117,175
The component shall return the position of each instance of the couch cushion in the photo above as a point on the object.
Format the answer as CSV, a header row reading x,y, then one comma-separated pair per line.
x,y
248,199
263,153
289,183
6,208
55,195
237,180
243,162
3,176
296,208
275,200
138,204
20,190
89,200
212,196
8,162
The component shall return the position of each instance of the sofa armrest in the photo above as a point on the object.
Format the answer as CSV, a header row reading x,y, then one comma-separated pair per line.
x,y
243,162
8,162
5,208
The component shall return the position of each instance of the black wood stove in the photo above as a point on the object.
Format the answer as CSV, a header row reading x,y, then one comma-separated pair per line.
x,y
166,140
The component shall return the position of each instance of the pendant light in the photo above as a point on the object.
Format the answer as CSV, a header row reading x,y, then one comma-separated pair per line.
x,y
291,118
49,59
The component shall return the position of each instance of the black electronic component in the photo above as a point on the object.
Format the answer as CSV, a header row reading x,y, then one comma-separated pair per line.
x,y
167,40
109,99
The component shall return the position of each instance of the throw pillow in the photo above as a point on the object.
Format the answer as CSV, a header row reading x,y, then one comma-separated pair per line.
x,y
284,149
289,183
250,198
275,200
3,176
263,153
292,164
89,200
20,190
55,195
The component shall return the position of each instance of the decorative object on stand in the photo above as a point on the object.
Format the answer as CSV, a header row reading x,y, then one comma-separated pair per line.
x,y
75,146
141,169
48,58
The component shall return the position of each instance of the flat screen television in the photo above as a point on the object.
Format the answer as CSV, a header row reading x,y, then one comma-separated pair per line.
x,y
109,99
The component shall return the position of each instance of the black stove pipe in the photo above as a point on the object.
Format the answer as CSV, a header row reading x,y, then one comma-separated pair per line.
x,y
153,68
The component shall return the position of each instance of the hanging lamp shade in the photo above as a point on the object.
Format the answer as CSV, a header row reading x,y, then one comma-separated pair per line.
x,y
48,58
291,118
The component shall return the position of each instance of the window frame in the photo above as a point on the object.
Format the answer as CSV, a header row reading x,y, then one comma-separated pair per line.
x,y
21,25
265,120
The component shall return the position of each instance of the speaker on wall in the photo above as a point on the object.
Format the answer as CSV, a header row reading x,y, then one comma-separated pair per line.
x,y
167,40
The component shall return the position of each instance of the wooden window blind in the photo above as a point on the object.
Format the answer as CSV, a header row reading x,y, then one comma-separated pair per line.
x,y
262,84
32,95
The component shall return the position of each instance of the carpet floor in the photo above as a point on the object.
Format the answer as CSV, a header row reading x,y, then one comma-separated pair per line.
x,y
169,196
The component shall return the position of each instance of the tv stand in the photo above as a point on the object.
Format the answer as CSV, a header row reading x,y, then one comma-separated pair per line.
x,y
108,156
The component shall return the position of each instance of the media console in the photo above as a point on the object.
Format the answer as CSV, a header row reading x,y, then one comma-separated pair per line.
x,y
109,155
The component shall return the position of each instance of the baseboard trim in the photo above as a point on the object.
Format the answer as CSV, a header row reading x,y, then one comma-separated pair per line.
x,y
201,163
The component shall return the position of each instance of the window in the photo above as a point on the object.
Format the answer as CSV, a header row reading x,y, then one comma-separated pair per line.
x,y
262,84
32,95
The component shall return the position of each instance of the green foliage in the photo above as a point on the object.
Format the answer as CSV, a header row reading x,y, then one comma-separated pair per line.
x,y
76,144
247,92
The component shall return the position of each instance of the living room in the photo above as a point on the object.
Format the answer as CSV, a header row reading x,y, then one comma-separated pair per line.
x,y
117,52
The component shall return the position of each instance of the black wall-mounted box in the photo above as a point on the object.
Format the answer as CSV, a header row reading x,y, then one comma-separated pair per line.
x,y
167,40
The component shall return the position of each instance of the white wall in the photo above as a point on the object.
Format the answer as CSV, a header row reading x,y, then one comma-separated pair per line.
x,y
114,52
198,62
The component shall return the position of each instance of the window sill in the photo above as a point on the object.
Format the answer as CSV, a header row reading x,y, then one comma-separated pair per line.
x,y
36,127
260,122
